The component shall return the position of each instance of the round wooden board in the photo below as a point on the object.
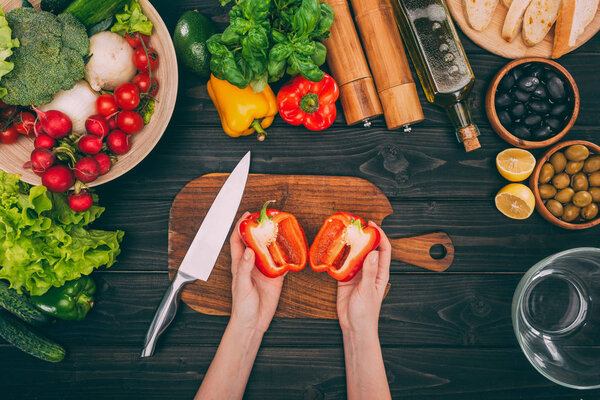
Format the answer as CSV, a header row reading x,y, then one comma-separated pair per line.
x,y
491,39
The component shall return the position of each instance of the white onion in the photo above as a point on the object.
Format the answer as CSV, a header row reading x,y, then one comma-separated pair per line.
x,y
111,62
77,103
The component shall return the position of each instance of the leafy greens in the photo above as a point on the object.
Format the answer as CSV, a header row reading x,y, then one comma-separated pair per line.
x,y
43,243
131,20
267,38
6,46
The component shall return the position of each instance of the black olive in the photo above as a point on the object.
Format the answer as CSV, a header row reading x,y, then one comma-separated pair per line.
x,y
556,88
518,110
549,74
559,110
522,96
542,133
528,83
535,70
517,73
507,82
539,107
522,132
503,100
505,119
540,92
554,123
532,119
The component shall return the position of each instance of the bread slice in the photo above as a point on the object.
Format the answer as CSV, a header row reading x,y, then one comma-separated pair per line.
x,y
514,19
539,18
479,12
573,17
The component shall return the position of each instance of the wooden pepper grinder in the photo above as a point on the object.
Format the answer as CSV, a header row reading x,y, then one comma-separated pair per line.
x,y
387,59
349,68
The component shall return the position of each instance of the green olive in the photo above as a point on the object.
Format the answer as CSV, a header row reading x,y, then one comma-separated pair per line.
x,y
570,213
580,181
565,195
555,208
558,161
592,164
595,192
577,152
561,181
573,167
590,211
546,173
582,198
547,191
594,179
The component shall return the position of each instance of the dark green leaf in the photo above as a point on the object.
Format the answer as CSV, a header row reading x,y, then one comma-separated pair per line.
x,y
215,47
278,37
281,51
320,54
325,20
305,66
306,18
257,38
239,25
101,26
257,10
235,12
255,58
305,47
276,69
229,36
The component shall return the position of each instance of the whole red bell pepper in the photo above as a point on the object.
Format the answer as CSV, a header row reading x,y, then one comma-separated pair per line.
x,y
277,239
342,245
310,103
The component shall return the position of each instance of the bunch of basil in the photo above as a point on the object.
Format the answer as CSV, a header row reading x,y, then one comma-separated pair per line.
x,y
267,38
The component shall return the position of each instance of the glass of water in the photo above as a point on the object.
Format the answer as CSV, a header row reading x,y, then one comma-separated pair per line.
x,y
556,317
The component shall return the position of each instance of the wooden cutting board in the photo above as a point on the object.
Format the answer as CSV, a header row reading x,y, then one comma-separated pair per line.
x,y
306,294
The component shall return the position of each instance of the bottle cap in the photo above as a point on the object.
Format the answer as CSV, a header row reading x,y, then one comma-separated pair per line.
x,y
468,137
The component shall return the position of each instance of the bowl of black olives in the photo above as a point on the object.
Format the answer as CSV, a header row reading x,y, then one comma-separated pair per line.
x,y
532,102
566,184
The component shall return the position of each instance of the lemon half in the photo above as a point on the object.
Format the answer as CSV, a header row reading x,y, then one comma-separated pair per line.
x,y
516,201
514,164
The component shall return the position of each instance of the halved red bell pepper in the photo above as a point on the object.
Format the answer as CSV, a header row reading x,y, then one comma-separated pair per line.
x,y
277,239
310,103
342,245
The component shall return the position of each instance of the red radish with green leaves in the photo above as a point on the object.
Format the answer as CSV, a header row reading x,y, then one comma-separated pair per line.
x,y
58,178
54,123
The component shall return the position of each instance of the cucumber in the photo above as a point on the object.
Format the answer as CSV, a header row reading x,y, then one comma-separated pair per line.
x,y
23,337
91,12
54,6
21,306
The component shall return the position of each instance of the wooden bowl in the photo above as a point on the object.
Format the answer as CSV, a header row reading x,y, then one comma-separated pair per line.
x,y
535,178
490,107
12,157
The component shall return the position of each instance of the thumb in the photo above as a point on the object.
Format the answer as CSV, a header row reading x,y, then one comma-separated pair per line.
x,y
369,270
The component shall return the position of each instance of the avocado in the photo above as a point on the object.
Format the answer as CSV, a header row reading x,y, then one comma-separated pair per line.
x,y
191,33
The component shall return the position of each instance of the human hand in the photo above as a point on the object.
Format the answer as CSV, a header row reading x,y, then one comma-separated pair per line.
x,y
359,300
254,295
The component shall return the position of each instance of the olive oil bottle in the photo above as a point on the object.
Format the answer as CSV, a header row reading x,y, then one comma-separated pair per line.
x,y
440,62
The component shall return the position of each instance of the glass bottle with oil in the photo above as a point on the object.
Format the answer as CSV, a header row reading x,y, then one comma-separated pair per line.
x,y
440,61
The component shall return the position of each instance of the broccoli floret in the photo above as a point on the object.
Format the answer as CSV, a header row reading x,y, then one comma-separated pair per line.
x,y
50,58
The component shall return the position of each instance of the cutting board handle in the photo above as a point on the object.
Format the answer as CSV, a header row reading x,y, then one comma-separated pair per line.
x,y
416,251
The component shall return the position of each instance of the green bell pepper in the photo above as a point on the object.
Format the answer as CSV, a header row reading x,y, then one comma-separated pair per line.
x,y
70,302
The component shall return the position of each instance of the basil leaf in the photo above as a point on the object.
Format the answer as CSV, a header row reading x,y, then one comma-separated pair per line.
x,y
320,54
325,21
239,25
306,18
256,9
229,36
281,51
306,48
260,82
306,67
278,37
276,69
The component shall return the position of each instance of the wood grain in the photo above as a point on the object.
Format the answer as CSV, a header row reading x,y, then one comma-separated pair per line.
x,y
491,38
305,294
14,156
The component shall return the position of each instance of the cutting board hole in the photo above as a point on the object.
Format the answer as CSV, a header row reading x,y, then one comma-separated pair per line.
x,y
438,251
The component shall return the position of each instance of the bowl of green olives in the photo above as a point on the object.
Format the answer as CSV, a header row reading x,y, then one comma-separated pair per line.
x,y
566,184
532,102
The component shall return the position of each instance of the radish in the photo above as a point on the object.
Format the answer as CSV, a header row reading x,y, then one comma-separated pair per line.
x,y
55,123
41,160
112,123
90,144
104,161
58,178
44,141
81,201
118,142
87,169
96,125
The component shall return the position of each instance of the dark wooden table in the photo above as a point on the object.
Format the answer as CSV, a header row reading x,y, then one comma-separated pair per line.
x,y
444,336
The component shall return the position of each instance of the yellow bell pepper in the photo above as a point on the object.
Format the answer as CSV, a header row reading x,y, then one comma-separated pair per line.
x,y
242,111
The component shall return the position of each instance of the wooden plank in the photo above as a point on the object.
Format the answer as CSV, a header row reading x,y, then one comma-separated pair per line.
x,y
308,373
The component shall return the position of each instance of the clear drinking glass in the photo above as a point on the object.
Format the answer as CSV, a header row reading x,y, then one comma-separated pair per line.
x,y
556,317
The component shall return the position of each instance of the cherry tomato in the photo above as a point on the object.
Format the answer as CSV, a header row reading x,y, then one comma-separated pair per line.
x,y
25,122
106,105
143,62
9,136
127,96
130,122
134,39
142,81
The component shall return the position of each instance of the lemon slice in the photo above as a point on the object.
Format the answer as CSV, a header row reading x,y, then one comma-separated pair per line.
x,y
515,164
516,201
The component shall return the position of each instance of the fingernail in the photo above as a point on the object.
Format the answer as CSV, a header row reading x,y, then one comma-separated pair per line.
x,y
247,254
373,258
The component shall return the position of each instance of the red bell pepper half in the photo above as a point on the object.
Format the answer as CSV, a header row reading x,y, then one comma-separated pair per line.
x,y
277,239
342,245
310,103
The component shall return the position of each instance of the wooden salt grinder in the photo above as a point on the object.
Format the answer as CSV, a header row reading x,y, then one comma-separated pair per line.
x,y
387,59
349,67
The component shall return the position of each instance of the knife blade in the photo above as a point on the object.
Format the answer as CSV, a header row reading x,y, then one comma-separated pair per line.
x,y
202,254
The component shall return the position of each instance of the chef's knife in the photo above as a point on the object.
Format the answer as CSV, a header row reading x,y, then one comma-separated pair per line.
x,y
203,252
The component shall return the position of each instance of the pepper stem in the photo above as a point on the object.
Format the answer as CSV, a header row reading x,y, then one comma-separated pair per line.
x,y
309,103
261,133
263,212
358,223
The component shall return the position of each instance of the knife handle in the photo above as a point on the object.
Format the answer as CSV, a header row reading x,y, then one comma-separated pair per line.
x,y
165,312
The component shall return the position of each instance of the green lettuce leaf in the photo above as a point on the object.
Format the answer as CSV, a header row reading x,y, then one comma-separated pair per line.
x,y
43,243
132,20
6,46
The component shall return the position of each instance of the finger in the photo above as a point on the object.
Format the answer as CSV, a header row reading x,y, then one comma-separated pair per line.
x,y
245,267
369,269
237,246
385,257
